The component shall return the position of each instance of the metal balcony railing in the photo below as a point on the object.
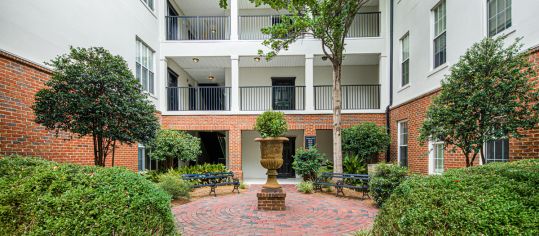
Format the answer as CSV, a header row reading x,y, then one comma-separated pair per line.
x,y
354,97
198,27
198,98
365,25
262,98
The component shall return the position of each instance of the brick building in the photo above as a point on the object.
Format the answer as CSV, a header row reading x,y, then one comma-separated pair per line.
x,y
198,64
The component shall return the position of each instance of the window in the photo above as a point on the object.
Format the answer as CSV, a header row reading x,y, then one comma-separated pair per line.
x,y
499,16
497,151
148,3
437,157
141,157
405,63
403,143
439,34
144,67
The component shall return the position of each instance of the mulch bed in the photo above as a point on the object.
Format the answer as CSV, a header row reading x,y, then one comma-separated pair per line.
x,y
199,193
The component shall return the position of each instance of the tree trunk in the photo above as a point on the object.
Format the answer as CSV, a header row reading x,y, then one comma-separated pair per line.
x,y
113,150
467,155
100,151
483,161
337,147
96,156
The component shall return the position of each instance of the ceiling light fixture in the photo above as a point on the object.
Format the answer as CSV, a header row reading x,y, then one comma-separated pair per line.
x,y
211,77
213,31
257,59
195,60
324,58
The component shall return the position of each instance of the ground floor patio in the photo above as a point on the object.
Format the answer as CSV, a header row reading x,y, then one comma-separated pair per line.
x,y
306,214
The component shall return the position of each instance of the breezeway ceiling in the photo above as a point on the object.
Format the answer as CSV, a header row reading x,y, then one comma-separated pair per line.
x,y
205,66
350,60
201,8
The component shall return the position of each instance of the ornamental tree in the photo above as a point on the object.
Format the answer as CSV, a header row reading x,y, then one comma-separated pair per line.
x,y
173,144
487,96
327,20
93,93
365,140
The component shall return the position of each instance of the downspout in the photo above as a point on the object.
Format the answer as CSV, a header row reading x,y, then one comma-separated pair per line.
x,y
388,114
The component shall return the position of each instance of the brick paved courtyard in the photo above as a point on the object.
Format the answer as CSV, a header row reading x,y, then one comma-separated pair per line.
x,y
306,214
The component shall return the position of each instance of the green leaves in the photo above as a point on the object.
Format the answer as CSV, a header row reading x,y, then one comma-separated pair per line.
x,y
39,197
93,92
307,162
386,178
271,124
493,199
487,96
365,140
173,144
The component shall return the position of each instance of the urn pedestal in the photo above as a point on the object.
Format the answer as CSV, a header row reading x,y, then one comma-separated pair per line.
x,y
272,196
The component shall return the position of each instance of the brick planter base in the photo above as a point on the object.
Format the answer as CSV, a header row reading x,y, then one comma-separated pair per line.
x,y
271,201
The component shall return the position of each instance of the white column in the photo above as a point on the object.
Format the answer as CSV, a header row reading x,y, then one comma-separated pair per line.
x,y
309,83
161,13
234,19
235,83
383,77
162,85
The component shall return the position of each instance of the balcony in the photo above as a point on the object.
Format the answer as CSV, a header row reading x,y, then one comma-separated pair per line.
x,y
219,28
198,98
353,97
262,98
198,27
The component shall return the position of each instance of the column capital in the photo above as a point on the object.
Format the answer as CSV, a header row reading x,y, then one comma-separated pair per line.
x,y
309,56
234,57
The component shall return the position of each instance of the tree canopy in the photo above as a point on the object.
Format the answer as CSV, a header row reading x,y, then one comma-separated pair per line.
x,y
173,144
487,96
327,20
93,93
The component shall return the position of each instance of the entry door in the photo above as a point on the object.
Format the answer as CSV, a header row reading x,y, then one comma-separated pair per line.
x,y
172,90
289,150
283,93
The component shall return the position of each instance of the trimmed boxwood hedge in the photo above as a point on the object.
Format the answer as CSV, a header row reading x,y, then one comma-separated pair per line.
x,y
39,197
493,199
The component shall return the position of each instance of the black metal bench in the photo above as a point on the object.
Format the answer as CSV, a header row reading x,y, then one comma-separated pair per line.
x,y
357,182
213,180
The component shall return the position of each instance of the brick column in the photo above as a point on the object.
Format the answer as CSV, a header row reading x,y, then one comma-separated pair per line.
x,y
234,152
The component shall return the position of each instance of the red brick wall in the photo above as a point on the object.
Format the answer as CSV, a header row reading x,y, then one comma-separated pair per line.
x,y
237,123
414,112
19,81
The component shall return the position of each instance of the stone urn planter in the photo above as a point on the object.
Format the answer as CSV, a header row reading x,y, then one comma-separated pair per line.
x,y
272,159
271,126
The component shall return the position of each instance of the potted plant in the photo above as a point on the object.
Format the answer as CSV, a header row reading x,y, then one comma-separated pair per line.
x,y
271,125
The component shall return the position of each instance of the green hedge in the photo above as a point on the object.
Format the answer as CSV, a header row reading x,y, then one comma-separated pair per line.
x,y
39,197
494,199
385,179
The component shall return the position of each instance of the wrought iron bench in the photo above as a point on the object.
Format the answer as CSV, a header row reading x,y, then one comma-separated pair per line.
x,y
357,182
213,180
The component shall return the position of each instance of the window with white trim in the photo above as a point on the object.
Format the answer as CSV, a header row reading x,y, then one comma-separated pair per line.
x,y
497,151
403,142
499,16
141,157
145,67
437,157
405,60
149,3
439,34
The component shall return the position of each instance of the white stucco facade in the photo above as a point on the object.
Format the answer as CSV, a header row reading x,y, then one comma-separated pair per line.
x,y
466,24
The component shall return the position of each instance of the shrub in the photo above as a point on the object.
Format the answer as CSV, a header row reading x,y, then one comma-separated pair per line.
x,y
39,197
271,124
243,185
353,164
493,199
305,187
174,185
201,169
384,181
307,162
365,140
173,144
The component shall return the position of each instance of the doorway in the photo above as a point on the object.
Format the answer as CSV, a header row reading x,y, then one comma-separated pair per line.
x,y
289,150
283,93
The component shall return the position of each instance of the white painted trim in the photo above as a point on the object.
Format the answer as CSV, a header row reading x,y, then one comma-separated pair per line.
x,y
438,69
399,124
302,112
431,158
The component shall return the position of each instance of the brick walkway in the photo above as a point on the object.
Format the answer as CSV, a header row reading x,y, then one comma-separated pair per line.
x,y
306,214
